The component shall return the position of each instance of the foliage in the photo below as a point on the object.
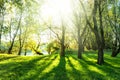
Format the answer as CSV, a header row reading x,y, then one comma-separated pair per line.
x,y
53,46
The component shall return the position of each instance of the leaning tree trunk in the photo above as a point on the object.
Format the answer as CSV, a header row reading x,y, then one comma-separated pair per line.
x,y
115,48
115,52
12,43
116,29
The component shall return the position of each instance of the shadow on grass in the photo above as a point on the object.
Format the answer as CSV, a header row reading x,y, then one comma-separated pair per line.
x,y
16,70
41,67
109,70
58,72
33,69
75,74
88,73
2,58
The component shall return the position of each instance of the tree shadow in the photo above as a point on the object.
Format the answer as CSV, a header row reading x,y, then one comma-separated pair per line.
x,y
75,73
2,58
58,72
42,66
110,65
17,70
61,67
107,68
89,74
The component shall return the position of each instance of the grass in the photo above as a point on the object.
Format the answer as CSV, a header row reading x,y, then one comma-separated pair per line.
x,y
54,67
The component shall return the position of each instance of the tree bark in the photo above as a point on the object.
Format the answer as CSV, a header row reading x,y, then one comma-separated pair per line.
x,y
20,49
79,44
62,53
99,34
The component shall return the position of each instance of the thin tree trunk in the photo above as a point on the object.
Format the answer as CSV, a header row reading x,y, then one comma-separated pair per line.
x,y
20,49
1,26
12,43
25,51
10,30
79,44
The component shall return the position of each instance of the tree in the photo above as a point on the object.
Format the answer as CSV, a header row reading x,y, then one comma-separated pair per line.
x,y
113,19
15,34
97,29
80,33
2,14
62,53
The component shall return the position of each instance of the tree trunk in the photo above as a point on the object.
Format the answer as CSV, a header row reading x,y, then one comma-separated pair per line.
x,y
115,49
100,55
25,51
79,44
115,53
11,46
101,23
79,51
19,52
12,43
100,59
116,30
1,26
18,26
0,37
99,35
62,53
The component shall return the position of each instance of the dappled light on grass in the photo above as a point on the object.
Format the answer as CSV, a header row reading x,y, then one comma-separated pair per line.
x,y
58,72
95,69
75,63
54,67
49,68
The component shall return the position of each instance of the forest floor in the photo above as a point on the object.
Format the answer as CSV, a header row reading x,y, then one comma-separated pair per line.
x,y
54,67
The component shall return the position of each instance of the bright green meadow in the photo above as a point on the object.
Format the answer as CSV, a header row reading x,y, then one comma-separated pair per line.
x,y
54,67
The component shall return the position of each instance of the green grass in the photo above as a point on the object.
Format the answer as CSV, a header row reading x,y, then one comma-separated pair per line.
x,y
52,67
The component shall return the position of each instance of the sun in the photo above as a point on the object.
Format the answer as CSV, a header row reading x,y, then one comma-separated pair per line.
x,y
55,10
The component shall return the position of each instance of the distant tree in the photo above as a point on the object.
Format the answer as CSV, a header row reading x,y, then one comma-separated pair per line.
x,y
113,19
80,29
15,34
2,14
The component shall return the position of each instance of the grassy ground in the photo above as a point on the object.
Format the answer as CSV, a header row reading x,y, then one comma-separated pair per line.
x,y
52,67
